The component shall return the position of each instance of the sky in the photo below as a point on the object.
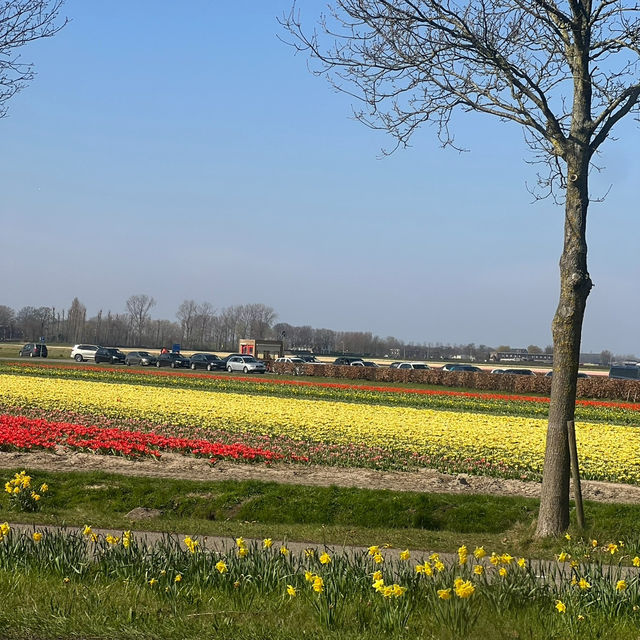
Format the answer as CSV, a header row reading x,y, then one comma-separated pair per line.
x,y
183,151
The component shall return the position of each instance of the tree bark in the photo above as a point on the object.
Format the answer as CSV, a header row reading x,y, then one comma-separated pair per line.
x,y
575,285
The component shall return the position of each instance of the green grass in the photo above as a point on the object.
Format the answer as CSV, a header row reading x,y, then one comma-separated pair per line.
x,y
318,515
114,598
122,609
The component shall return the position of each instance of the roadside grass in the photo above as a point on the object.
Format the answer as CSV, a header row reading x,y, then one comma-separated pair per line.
x,y
319,515
122,609
69,584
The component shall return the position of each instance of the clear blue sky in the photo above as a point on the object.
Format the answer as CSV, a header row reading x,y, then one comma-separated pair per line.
x,y
181,150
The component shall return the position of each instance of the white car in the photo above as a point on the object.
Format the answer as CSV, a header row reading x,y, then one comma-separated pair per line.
x,y
291,360
413,365
246,364
84,352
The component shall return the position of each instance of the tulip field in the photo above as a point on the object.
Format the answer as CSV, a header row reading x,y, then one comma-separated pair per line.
x,y
145,413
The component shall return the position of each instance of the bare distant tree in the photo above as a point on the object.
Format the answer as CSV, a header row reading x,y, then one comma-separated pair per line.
x,y
22,22
204,320
606,357
566,71
34,322
138,307
186,316
76,319
7,322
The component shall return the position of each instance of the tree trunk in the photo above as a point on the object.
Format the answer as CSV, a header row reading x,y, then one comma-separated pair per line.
x,y
575,285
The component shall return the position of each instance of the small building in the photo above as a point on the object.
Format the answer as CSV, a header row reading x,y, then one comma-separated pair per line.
x,y
263,349
521,355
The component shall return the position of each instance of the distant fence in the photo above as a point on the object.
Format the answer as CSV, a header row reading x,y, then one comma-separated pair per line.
x,y
597,387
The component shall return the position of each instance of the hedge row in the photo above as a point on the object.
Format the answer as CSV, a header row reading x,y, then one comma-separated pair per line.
x,y
599,387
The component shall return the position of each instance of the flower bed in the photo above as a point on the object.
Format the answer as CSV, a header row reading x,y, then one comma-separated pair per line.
x,y
476,402
19,433
501,445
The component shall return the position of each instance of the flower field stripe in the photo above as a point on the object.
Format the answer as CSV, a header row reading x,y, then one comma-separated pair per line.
x,y
490,403
21,433
513,443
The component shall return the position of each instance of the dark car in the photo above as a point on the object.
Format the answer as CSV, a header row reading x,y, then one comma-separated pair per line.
x,y
347,360
519,372
625,372
173,360
464,367
34,350
307,357
549,374
142,358
110,355
208,361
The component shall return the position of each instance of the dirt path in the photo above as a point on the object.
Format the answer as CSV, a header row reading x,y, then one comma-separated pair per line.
x,y
188,468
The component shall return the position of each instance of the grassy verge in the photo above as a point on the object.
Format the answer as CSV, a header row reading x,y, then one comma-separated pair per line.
x,y
331,515
77,584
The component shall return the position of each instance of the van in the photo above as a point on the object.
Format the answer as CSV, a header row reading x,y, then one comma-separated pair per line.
x,y
625,372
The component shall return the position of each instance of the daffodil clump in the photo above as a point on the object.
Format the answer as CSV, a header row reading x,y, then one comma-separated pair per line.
x,y
391,588
22,495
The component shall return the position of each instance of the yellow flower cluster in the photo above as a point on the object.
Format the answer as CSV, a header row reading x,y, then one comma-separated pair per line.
x,y
317,582
191,544
21,494
388,590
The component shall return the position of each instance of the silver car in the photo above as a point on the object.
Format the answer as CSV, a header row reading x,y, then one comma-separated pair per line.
x,y
246,364
84,352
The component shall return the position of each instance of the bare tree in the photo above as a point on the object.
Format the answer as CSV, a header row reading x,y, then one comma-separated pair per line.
x,y
21,22
566,71
7,322
138,307
76,319
186,315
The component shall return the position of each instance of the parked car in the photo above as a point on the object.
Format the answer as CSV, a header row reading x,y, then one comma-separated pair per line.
x,y
84,352
625,372
463,367
308,357
34,350
143,358
413,365
173,360
110,355
519,372
208,361
369,363
497,370
348,360
246,364
292,360
394,365
549,374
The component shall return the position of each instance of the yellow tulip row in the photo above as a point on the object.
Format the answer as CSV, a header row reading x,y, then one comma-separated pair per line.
x,y
607,451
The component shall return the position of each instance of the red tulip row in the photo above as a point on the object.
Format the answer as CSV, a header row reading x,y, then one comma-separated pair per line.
x,y
21,433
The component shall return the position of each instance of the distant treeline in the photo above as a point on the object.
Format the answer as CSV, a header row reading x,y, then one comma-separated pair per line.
x,y
200,326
